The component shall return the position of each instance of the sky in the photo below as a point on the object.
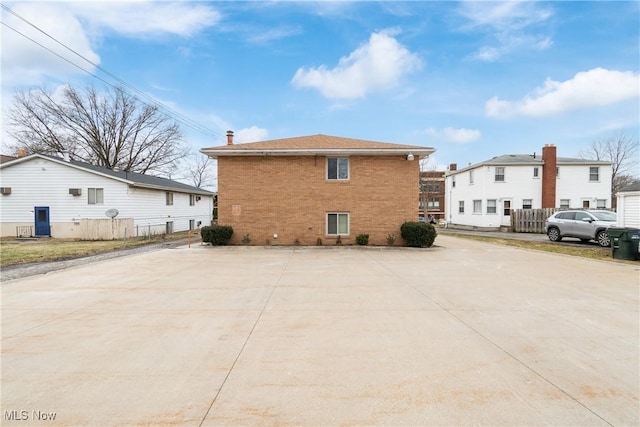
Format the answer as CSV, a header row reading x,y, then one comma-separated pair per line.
x,y
473,79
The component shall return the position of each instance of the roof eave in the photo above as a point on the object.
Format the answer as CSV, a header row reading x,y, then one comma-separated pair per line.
x,y
321,152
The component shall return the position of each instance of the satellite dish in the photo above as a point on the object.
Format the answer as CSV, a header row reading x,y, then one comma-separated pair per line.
x,y
111,213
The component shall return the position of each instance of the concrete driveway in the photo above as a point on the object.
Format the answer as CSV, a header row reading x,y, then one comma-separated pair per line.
x,y
466,333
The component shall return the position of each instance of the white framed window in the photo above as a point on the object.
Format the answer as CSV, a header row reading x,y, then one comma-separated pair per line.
x,y
536,172
453,181
499,177
594,174
557,171
192,224
601,204
527,203
461,206
338,168
337,223
470,177
506,207
564,203
192,200
169,198
433,204
477,206
95,196
491,206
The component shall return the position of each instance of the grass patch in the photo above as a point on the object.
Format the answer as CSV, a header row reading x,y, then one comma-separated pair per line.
x,y
14,251
591,252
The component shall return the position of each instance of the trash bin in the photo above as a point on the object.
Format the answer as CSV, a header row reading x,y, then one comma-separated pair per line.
x,y
624,243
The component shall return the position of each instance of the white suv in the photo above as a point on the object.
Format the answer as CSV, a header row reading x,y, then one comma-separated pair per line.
x,y
582,224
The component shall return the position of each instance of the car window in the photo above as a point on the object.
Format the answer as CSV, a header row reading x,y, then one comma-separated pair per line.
x,y
605,216
582,215
566,215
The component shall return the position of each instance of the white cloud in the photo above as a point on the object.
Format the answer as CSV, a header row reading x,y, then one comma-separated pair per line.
x,y
80,25
23,61
377,65
587,89
144,18
512,23
251,134
456,136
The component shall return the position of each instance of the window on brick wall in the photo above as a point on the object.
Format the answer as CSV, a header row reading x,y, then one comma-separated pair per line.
x,y
337,168
433,204
337,223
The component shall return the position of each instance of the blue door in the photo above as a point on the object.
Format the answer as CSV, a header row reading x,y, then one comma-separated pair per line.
x,y
43,228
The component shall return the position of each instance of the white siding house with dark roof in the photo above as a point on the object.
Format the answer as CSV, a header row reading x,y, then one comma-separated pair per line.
x,y
483,195
43,195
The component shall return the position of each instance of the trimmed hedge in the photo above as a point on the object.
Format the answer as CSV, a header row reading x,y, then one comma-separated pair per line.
x,y
217,235
418,234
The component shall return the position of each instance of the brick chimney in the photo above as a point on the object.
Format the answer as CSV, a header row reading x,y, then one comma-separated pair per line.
x,y
229,137
549,164
453,167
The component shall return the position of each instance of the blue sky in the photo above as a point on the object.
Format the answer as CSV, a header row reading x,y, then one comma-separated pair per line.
x,y
471,79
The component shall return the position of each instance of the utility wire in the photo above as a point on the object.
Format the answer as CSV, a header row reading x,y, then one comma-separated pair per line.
x,y
169,111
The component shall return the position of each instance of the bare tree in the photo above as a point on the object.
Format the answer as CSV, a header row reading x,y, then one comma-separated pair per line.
x,y
111,129
199,171
622,152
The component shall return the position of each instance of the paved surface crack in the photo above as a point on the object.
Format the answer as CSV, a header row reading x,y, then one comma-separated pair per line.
x,y
235,361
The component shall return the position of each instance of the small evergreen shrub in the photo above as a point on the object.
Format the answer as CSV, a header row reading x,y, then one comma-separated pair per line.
x,y
418,234
362,239
217,235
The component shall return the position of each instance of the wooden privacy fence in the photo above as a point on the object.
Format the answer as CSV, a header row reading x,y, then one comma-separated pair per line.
x,y
530,220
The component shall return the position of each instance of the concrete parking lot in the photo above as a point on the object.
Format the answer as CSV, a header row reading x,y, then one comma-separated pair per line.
x,y
465,333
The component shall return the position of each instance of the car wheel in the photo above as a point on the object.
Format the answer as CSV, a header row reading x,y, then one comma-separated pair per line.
x,y
603,238
554,235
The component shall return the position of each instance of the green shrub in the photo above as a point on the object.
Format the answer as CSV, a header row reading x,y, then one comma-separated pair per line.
x,y
217,235
362,239
418,234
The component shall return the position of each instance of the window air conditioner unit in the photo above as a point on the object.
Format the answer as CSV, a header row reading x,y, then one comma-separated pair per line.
x,y
5,190
198,198
75,191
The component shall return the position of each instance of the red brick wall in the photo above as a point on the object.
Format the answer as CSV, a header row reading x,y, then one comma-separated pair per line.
x,y
549,157
290,196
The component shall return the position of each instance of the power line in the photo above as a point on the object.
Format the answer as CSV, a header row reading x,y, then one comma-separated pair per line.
x,y
169,111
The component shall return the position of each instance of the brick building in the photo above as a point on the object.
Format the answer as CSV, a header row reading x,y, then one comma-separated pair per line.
x,y
296,190
432,194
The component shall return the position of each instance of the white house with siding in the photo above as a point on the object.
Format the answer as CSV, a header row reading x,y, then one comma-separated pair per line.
x,y
48,196
628,206
483,195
